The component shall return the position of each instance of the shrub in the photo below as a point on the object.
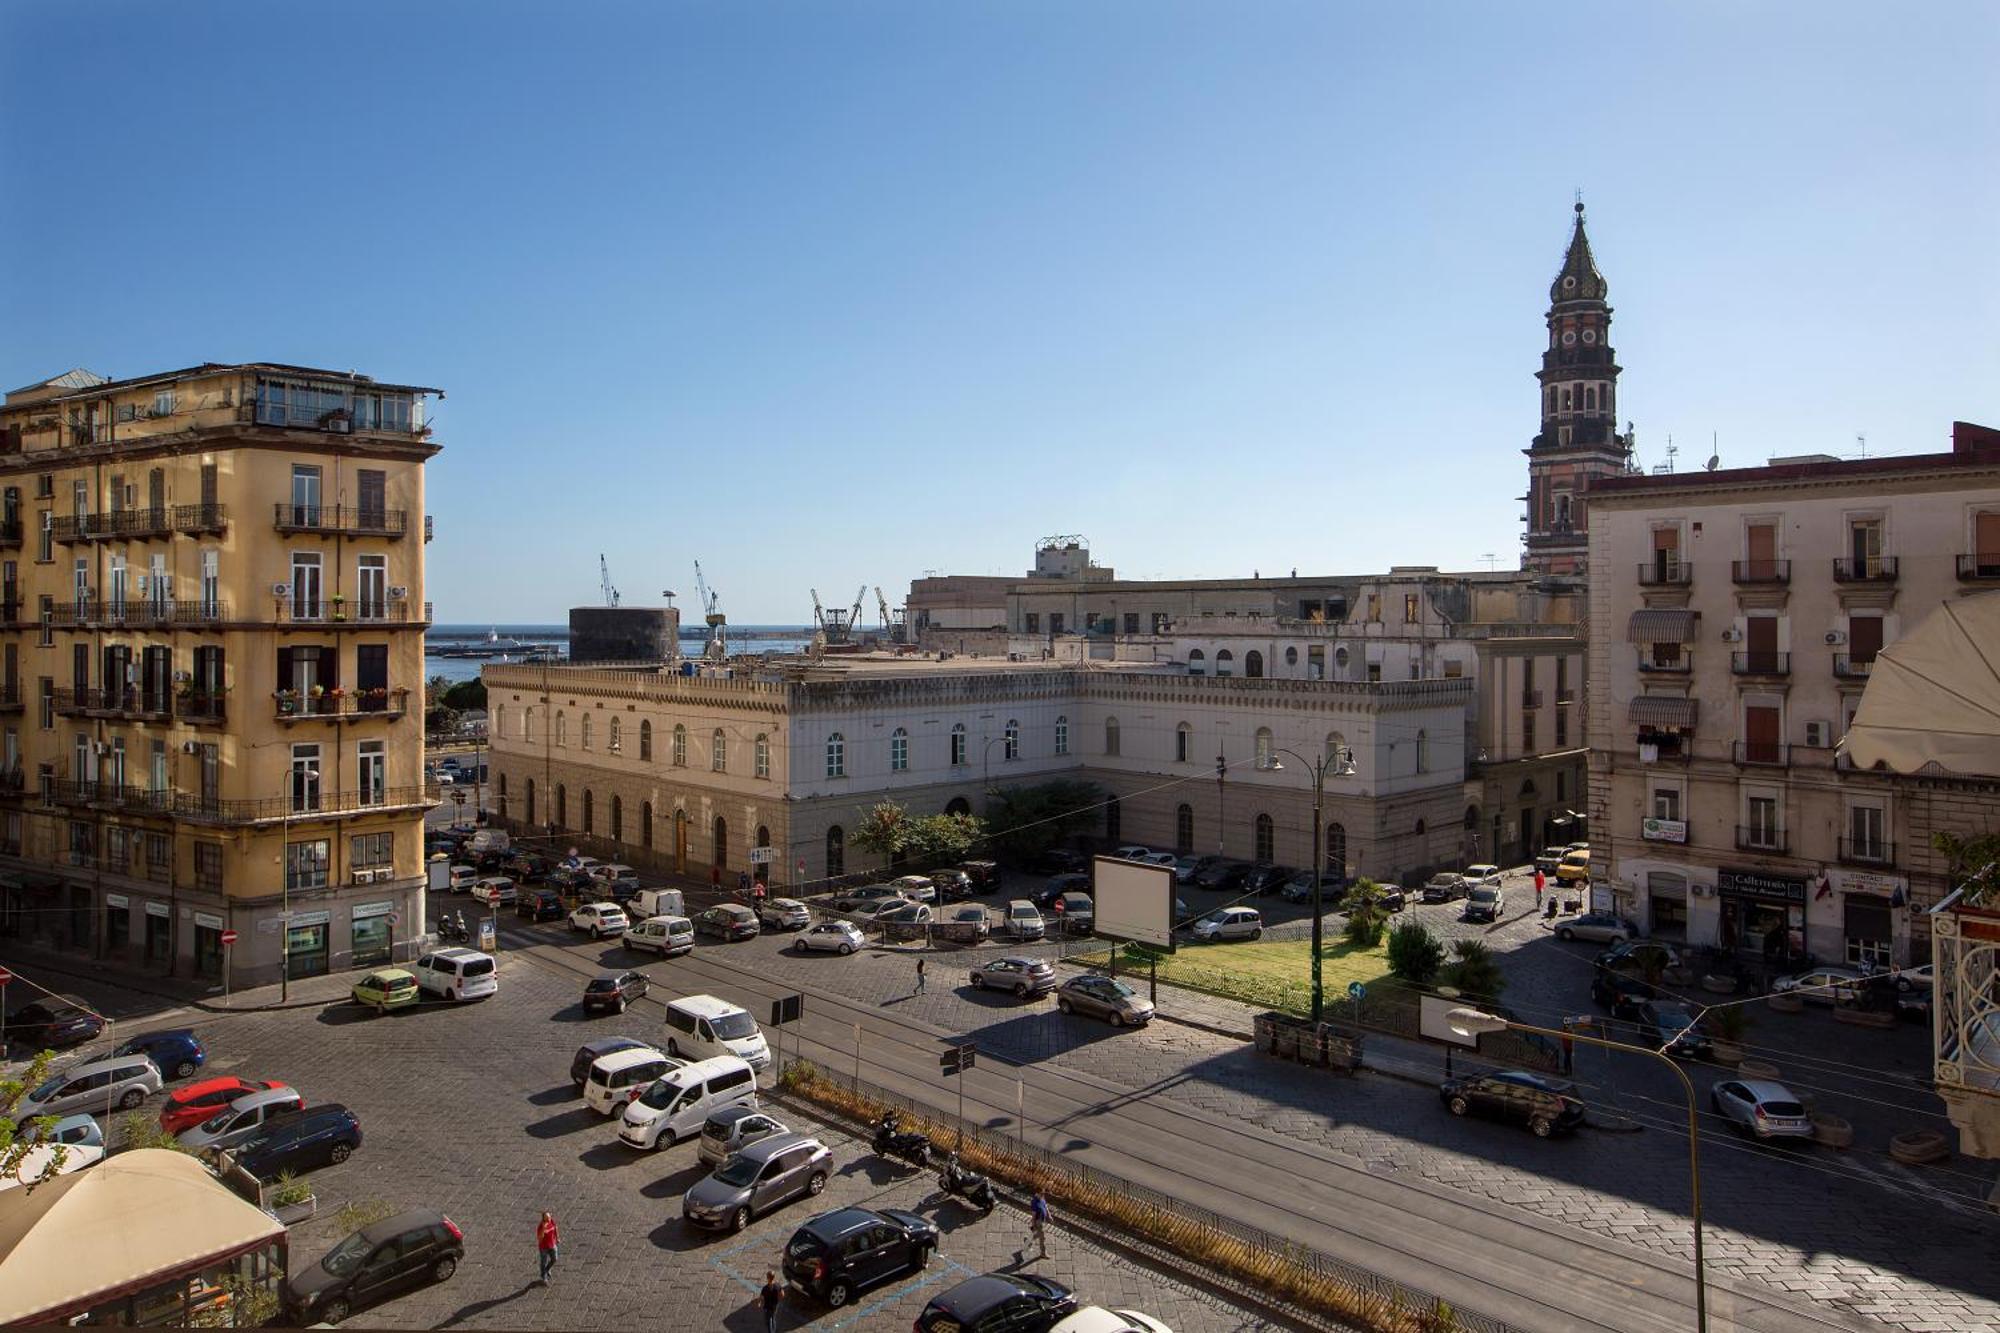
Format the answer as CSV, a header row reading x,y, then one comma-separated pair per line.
x,y
357,1214
1415,954
139,1130
1727,1021
1367,918
1474,972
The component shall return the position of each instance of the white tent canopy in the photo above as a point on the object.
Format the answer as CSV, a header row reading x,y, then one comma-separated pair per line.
x,y
1933,696
71,1241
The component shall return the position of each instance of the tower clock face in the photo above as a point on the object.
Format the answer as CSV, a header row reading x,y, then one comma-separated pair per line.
x,y
1568,337
1590,335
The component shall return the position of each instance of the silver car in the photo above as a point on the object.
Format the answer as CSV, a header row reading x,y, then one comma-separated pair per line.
x,y
764,1175
122,1081
732,1129
841,937
1603,927
1022,976
242,1118
1230,923
73,1131
1104,997
1768,1110
783,914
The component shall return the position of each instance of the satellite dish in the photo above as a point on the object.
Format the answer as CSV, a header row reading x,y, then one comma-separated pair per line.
x,y
1714,461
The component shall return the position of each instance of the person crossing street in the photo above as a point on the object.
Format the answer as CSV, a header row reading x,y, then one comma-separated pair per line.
x,y
546,1242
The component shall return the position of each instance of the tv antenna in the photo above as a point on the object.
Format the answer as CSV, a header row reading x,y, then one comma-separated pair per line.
x,y
1861,442
1491,561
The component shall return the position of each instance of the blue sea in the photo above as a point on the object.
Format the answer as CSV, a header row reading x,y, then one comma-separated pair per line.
x,y
790,639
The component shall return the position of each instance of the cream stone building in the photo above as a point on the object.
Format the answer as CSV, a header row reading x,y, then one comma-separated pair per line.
x,y
212,582
1739,614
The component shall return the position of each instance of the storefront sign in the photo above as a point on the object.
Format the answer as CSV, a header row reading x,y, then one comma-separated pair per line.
x,y
310,919
1664,830
1758,884
365,910
158,909
117,900
209,919
1867,881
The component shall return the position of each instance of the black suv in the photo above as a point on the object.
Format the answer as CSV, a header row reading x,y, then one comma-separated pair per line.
x,y
540,905
1070,881
1544,1105
316,1136
844,1251
999,1303
408,1250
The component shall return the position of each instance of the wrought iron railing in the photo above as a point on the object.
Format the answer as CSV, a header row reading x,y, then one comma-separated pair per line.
x,y
345,520
292,706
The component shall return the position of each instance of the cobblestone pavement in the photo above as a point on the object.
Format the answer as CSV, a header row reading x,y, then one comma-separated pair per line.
x,y
469,1108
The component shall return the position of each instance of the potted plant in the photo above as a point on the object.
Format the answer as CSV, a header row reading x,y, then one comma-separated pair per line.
x,y
339,605
1727,1023
290,1199
288,701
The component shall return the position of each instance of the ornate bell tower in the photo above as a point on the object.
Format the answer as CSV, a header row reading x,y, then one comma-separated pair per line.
x,y
1579,438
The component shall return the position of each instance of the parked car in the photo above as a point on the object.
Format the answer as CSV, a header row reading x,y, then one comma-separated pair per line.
x,y
783,914
770,1172
1548,859
849,1250
599,920
1604,927
966,924
316,1136
848,900
1482,873
998,1303
1546,1106
1574,868
525,867
1299,888
242,1118
1056,861
1097,1319
952,885
732,1129
1670,1026
177,1052
604,874
457,974
702,1027
539,905
41,1161
1621,993
1824,984
664,935
1443,887
842,937
917,888
1638,956
727,921
494,891
1187,867
71,1131
1067,882
1024,921
983,874
594,1050
613,991
54,1022
461,878
679,1104
1265,878
387,988
622,1077
118,1082
657,902
1075,913
622,890
1916,978
1221,875
1022,976
1132,851
189,1106
1104,997
1483,902
412,1249
1767,1110
904,921
1229,923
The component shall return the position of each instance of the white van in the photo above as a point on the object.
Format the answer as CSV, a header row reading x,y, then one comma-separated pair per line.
x,y
656,902
458,974
665,935
462,879
619,1077
615,870
678,1103
701,1026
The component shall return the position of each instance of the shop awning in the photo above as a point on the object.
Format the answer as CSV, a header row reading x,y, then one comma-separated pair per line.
x,y
1661,624
1664,710
71,1241
1933,696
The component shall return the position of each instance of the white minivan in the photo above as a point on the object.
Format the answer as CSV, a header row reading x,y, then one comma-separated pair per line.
x,y
657,902
458,974
701,1026
664,935
677,1104
617,1078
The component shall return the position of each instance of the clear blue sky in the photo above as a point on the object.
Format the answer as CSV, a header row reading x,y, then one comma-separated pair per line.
x,y
830,293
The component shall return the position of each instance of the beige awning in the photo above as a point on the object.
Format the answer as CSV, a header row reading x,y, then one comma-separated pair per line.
x,y
1664,710
72,1240
1661,625
1933,696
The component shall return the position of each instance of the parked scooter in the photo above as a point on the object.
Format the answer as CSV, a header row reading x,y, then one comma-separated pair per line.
x,y
893,1141
451,925
974,1188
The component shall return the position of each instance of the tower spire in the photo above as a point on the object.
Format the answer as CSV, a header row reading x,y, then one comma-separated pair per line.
x,y
1579,279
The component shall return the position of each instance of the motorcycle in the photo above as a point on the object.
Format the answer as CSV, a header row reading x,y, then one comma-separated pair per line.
x,y
974,1188
892,1141
452,926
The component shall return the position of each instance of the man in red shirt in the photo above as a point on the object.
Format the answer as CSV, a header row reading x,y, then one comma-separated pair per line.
x,y
546,1241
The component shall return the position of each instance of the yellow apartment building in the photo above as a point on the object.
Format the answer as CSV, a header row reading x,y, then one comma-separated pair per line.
x,y
211,669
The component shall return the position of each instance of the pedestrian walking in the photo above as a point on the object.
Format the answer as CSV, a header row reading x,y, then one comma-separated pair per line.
x,y
772,1296
920,976
743,881
547,1241
1541,882
1038,1223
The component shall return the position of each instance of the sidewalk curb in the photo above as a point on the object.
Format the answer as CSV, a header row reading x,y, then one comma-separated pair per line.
x,y
210,1006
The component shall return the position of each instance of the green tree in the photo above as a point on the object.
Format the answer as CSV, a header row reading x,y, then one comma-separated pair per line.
x,y
1415,954
465,695
892,832
1966,854
1474,972
1033,817
15,1134
1367,913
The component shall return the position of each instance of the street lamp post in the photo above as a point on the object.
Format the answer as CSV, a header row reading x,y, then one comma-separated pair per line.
x,y
1473,1022
1340,763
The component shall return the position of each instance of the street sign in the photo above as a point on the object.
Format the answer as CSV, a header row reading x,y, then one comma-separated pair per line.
x,y
763,856
393,918
228,938
958,1059
486,934
1356,991
786,1009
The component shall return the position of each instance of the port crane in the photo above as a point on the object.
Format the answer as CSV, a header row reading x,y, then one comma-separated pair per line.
x,y
835,624
718,624
604,579
892,623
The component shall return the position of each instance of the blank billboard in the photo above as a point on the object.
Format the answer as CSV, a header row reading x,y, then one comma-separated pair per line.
x,y
1134,901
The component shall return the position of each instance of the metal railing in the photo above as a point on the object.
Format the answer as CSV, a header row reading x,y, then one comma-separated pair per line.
x,y
1867,852
1848,667
254,809
293,707
346,520
202,707
10,697
1762,840
289,610
1666,573
1869,569
130,702
1760,664
10,532
1970,567
1773,753
139,613
1760,571
159,521
1680,666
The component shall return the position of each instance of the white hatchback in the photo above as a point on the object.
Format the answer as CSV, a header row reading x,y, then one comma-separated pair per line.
x,y
1230,923
600,919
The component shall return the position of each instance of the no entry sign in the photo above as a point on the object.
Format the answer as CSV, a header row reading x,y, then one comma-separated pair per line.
x,y
228,938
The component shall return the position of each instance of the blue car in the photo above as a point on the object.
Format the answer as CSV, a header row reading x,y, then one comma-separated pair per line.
x,y
177,1052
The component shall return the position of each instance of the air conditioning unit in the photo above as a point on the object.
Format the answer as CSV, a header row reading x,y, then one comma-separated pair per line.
x,y
1835,637
365,876
99,747
398,592
281,590
340,426
189,747
1732,635
1819,735
1704,890
180,676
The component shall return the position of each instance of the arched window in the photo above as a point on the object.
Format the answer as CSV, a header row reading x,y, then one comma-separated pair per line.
x,y
645,740
1291,657
1010,748
1471,819
1336,743
1527,789
1253,663
957,743
1114,822
1197,662
1419,829
1183,743
1184,829
720,859
617,820
836,852
527,724
1336,851
500,791
646,824
1265,753
836,756
562,728
760,756
499,722
1423,750
1111,735
613,736
589,811
718,752
1267,839
1590,398
958,805
585,731
562,806
1225,663
1566,398
680,755
1062,735
531,803
899,750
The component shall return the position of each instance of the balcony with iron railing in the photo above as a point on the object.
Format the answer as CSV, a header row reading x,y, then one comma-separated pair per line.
x,y
139,524
1865,569
1678,665
343,520
10,697
1848,667
99,794
10,532
294,610
1981,568
1760,664
13,781
1753,839
341,705
138,613
202,708
132,703
1666,574
10,610
1761,754
1760,573
1867,852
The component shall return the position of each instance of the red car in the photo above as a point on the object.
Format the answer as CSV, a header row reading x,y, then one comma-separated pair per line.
x,y
198,1101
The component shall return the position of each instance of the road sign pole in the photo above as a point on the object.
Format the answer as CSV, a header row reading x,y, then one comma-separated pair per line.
x,y
857,1058
5,977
